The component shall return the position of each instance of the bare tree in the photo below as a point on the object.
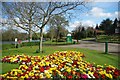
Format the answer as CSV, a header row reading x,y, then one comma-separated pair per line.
x,y
37,14
21,15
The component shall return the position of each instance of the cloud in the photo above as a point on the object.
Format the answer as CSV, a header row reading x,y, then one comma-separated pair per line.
x,y
3,20
99,12
88,23
117,14
75,24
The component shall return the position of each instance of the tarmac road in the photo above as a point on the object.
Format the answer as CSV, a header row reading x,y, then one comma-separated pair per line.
x,y
112,47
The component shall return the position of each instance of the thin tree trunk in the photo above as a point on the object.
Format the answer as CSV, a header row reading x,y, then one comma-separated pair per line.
x,y
41,38
30,35
30,31
51,38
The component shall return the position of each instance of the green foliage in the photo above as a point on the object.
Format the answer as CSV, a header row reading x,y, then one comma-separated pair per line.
x,y
89,33
108,26
109,38
57,28
8,46
30,44
80,33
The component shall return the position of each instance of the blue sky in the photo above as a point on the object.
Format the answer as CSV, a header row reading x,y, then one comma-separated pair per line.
x,y
96,12
93,14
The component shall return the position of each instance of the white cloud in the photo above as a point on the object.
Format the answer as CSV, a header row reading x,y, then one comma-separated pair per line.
x,y
88,23
99,12
3,20
117,14
84,23
75,24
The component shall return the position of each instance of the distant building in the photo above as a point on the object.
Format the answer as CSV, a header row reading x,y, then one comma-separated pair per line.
x,y
98,32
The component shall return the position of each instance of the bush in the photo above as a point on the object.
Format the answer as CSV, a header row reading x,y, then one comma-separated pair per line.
x,y
30,44
54,40
109,38
61,40
8,46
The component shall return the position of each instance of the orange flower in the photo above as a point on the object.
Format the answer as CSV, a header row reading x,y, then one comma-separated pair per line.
x,y
41,69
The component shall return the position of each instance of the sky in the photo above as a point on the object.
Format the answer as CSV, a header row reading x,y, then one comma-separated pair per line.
x,y
95,14
92,14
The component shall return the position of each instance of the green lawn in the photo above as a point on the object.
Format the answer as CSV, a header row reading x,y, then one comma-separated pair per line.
x,y
91,55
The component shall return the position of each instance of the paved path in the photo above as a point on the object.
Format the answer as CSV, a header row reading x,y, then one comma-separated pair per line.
x,y
112,47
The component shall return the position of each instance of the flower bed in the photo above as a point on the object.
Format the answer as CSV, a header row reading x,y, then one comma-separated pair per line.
x,y
60,65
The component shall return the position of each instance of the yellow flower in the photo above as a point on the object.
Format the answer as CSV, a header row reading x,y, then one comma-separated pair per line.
x,y
15,73
47,63
36,74
31,74
41,75
49,71
26,76
84,72
23,66
109,75
68,70
42,64
102,72
48,75
58,72
99,66
17,70
91,73
53,68
12,78
22,77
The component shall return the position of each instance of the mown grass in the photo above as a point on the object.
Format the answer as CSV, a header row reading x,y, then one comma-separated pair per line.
x,y
90,55
5,67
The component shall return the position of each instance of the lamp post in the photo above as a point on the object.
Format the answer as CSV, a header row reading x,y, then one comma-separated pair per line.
x,y
106,47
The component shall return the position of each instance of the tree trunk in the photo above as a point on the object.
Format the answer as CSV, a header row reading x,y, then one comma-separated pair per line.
x,y
30,35
30,32
41,38
51,38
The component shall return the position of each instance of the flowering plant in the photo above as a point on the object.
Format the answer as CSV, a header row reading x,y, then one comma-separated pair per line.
x,y
59,65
